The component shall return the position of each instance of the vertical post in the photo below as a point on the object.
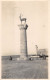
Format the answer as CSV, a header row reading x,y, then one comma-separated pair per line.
x,y
23,40
36,49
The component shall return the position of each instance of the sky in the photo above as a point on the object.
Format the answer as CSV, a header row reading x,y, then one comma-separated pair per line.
x,y
36,13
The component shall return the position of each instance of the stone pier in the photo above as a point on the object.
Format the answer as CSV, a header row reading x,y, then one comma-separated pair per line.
x,y
23,41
